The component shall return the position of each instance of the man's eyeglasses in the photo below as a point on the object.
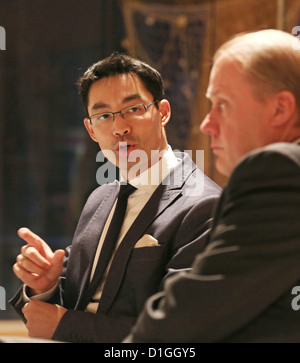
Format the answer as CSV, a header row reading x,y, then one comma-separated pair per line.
x,y
130,113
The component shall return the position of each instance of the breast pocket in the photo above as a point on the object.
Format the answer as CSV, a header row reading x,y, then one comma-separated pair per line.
x,y
145,270
148,253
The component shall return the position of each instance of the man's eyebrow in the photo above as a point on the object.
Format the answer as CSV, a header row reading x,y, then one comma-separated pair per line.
x,y
100,105
210,93
132,97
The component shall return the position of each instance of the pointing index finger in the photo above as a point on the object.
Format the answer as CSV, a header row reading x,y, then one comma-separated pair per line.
x,y
35,241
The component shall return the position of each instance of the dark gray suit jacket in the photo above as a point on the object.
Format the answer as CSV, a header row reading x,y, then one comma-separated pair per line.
x,y
178,215
240,288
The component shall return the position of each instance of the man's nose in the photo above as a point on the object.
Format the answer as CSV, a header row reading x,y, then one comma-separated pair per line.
x,y
120,125
209,126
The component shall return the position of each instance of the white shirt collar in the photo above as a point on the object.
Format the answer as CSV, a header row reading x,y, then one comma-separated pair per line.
x,y
151,178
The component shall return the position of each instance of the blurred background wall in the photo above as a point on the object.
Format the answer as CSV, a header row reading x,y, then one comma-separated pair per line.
x,y
47,162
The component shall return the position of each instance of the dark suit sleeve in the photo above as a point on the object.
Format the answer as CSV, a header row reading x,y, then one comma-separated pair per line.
x,y
191,237
85,327
251,261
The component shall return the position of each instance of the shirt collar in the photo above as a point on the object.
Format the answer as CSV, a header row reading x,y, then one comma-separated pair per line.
x,y
151,178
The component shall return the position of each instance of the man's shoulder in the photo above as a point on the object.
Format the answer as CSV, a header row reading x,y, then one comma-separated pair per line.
x,y
271,161
285,149
101,192
280,150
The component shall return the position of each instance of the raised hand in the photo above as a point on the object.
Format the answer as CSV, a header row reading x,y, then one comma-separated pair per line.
x,y
37,265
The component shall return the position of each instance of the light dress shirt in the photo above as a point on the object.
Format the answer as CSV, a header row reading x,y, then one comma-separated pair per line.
x,y
146,183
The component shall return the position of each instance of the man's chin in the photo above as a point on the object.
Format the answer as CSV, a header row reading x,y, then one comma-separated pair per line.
x,y
223,168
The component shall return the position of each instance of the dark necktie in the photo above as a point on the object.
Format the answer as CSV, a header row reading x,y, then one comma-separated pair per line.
x,y
112,235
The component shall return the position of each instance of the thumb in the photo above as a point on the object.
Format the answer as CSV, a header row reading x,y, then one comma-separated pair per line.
x,y
58,257
56,264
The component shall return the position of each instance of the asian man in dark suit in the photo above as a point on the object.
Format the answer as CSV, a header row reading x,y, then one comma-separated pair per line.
x,y
166,223
245,286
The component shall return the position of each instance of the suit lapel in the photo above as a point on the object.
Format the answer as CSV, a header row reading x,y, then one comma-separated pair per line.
x,y
90,239
165,194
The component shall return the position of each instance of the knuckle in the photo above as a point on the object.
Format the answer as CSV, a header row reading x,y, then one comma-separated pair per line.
x,y
16,269
23,248
30,252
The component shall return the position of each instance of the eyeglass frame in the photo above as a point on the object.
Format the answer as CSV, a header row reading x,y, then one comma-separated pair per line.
x,y
120,112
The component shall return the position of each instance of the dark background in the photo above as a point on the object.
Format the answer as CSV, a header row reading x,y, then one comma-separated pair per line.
x,y
47,161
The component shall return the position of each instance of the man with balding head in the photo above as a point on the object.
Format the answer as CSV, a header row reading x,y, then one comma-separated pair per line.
x,y
244,287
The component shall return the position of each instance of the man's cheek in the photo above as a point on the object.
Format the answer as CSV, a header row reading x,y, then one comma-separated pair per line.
x,y
108,154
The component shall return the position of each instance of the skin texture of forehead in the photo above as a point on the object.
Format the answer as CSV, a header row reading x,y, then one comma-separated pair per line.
x,y
130,87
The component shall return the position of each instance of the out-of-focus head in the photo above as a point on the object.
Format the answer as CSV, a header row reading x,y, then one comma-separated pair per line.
x,y
269,58
255,95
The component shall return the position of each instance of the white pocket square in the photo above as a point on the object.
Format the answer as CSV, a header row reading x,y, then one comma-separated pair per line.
x,y
146,241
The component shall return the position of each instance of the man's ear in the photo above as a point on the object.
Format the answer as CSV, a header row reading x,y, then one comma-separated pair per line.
x,y
285,108
90,128
165,111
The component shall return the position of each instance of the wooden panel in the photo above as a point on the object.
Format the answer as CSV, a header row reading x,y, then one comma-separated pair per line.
x,y
231,17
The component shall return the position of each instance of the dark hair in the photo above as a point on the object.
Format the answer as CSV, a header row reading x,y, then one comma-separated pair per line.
x,y
117,64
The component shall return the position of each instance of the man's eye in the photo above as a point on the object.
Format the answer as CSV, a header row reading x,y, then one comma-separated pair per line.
x,y
103,116
221,105
135,109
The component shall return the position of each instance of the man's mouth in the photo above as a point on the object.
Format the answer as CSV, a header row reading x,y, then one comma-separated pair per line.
x,y
123,147
215,147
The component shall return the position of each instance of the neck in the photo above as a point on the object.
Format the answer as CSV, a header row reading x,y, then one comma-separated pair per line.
x,y
143,165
